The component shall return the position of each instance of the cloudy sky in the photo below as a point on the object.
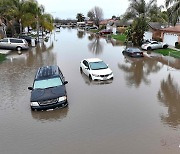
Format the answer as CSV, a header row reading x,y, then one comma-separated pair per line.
x,y
64,9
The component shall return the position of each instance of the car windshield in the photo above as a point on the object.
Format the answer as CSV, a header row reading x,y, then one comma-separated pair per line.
x,y
136,50
97,65
47,83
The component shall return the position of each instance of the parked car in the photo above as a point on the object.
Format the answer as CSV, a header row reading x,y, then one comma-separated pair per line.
x,y
133,52
96,69
48,90
14,43
27,38
91,28
154,45
105,31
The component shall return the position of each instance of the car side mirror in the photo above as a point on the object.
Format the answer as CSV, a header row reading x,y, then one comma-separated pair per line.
x,y
65,82
86,67
30,88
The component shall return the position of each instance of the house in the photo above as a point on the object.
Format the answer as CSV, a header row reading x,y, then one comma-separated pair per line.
x,y
117,25
154,31
171,35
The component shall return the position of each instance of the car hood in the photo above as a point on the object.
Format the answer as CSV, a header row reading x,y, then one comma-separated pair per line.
x,y
101,71
46,94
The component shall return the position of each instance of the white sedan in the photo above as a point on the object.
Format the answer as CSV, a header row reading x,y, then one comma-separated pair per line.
x,y
96,69
154,45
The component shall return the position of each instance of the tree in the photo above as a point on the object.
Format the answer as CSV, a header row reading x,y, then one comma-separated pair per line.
x,y
98,14
139,11
173,8
91,15
80,17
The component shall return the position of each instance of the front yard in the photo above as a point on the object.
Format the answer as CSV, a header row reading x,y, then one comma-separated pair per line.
x,y
168,52
120,37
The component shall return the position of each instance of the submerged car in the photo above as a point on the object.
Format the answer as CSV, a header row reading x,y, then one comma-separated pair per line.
x,y
14,44
96,69
154,45
48,90
133,52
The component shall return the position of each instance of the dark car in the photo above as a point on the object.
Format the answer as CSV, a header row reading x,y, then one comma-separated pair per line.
x,y
105,31
48,91
27,38
133,52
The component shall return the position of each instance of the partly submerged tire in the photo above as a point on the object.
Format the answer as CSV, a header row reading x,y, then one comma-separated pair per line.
x,y
149,48
90,78
18,48
80,69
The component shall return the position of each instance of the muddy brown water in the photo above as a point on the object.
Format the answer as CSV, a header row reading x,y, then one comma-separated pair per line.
x,y
137,113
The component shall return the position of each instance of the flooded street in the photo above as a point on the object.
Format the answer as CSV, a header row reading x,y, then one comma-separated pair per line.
x,y
136,113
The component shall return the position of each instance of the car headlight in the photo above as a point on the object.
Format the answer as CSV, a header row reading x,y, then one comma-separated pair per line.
x,y
34,104
95,75
63,98
111,73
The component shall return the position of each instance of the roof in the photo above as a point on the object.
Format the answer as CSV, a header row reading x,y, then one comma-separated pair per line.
x,y
156,25
174,29
93,59
47,72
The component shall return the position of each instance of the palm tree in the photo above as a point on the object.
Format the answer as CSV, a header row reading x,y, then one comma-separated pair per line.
x,y
173,7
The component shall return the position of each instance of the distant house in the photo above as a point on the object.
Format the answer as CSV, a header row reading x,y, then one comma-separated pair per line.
x,y
114,25
171,35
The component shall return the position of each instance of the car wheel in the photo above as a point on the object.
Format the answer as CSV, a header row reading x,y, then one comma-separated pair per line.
x,y
149,48
18,48
81,69
90,78
165,46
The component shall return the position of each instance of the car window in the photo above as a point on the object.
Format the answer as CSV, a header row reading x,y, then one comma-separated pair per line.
x,y
47,83
16,41
98,65
4,40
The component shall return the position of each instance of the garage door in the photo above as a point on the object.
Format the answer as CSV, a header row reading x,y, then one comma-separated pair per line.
x,y
148,36
170,39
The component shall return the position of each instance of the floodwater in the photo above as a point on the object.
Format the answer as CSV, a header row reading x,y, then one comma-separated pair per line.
x,y
136,113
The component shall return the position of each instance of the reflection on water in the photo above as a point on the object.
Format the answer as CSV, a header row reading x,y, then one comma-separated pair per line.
x,y
91,37
45,116
169,95
96,46
138,69
80,33
91,82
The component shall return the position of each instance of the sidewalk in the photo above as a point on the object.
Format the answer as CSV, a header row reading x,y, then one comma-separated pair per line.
x,y
3,51
171,47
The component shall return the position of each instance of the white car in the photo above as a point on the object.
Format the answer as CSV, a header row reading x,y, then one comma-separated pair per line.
x,y
14,44
96,69
154,45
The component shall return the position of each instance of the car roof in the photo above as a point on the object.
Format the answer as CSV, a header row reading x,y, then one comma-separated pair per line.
x,y
46,72
133,49
93,60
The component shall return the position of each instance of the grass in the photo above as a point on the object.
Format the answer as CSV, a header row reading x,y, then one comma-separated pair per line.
x,y
166,52
94,30
2,57
120,37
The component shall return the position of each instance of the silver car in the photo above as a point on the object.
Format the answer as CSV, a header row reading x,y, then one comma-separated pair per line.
x,y
154,45
14,44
